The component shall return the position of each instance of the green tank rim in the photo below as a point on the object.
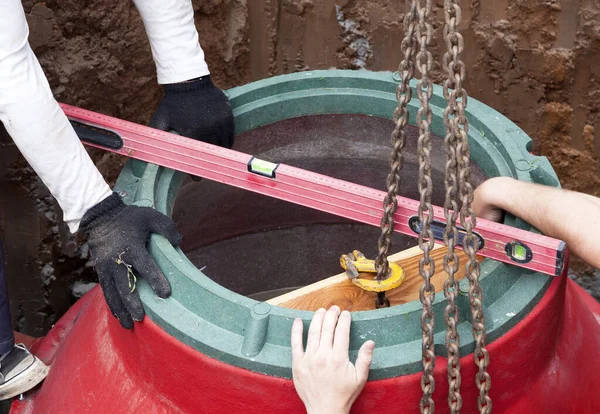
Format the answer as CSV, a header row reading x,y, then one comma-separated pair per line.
x,y
255,335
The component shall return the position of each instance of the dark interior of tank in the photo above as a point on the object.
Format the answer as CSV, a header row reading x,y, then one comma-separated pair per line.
x,y
262,247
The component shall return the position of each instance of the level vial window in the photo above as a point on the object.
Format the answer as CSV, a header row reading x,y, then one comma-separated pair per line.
x,y
519,252
262,167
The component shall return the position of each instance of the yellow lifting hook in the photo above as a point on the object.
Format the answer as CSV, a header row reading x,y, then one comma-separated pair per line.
x,y
356,262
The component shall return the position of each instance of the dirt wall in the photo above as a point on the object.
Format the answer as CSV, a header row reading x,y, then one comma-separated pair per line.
x,y
534,61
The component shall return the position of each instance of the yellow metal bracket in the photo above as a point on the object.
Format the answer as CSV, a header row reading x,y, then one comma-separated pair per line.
x,y
355,263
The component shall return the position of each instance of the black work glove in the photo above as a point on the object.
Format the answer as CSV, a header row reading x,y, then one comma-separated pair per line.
x,y
117,235
196,109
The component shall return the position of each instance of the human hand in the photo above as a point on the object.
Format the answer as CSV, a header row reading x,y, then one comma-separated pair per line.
x,y
196,109
117,235
488,196
325,379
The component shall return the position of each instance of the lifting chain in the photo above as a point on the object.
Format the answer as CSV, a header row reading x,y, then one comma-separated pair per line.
x,y
457,123
406,70
451,260
418,33
424,91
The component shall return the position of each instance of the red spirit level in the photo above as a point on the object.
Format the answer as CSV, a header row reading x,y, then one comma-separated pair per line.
x,y
496,241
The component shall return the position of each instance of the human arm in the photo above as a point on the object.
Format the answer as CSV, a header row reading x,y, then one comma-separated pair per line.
x,y
46,139
567,215
192,106
38,126
325,379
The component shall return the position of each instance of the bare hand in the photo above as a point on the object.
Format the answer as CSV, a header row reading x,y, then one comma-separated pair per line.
x,y
484,203
325,379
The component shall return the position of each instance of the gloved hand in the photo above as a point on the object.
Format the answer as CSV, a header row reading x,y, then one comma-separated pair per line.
x,y
117,235
196,109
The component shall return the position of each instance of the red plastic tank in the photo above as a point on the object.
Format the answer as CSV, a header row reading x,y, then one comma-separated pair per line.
x,y
548,363
544,355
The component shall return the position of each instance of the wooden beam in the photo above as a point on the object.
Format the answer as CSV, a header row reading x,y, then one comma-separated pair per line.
x,y
339,290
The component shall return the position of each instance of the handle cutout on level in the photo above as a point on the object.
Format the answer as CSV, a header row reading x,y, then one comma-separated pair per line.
x,y
438,228
97,136
262,167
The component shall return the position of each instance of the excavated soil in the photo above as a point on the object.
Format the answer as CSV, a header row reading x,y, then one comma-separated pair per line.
x,y
536,62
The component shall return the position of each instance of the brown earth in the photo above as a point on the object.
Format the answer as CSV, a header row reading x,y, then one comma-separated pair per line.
x,y
536,62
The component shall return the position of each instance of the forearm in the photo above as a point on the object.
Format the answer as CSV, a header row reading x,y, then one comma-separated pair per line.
x,y
37,124
173,39
566,215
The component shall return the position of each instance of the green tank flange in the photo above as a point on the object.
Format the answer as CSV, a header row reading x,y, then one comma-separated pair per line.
x,y
253,335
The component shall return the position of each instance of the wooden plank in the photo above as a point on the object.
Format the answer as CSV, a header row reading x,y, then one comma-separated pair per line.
x,y
339,290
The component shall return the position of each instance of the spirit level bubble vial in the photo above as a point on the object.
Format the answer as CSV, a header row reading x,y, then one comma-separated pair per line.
x,y
518,252
262,167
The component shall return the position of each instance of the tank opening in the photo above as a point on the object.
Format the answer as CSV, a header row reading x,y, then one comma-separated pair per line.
x,y
262,247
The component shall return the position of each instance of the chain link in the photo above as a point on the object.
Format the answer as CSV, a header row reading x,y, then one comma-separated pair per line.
x,y
406,70
424,89
459,126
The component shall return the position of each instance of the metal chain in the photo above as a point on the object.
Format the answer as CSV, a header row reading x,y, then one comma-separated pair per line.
x,y
424,89
457,100
419,31
451,264
451,260
406,70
